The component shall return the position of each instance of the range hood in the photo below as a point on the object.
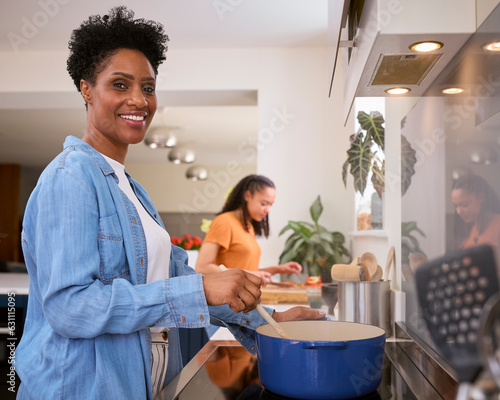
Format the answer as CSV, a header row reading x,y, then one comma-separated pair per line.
x,y
374,39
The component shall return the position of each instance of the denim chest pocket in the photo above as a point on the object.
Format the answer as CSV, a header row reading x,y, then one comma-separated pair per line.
x,y
112,250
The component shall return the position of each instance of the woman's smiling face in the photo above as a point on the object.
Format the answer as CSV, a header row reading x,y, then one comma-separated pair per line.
x,y
121,103
467,205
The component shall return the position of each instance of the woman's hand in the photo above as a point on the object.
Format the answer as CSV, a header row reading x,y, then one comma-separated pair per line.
x,y
298,314
235,287
290,267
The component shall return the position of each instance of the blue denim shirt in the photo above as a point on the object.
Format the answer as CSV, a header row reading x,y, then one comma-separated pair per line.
x,y
86,333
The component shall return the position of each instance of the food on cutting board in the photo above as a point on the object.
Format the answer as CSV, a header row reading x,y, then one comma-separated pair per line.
x,y
313,280
287,284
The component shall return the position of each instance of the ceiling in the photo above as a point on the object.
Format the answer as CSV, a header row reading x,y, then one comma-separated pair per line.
x,y
31,135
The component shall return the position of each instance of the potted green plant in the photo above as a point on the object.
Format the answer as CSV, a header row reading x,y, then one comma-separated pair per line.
x,y
409,243
313,246
366,155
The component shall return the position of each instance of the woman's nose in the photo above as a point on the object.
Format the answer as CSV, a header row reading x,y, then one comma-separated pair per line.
x,y
138,99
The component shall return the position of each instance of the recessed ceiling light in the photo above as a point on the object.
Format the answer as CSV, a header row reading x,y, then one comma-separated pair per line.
x,y
452,90
397,90
494,46
424,47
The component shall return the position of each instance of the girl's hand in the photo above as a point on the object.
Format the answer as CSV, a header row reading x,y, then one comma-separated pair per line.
x,y
298,314
290,267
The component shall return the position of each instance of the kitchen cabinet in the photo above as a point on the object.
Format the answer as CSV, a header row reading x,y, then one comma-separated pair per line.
x,y
382,32
10,242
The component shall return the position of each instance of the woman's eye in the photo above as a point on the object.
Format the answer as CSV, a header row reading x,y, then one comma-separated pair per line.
x,y
149,89
119,85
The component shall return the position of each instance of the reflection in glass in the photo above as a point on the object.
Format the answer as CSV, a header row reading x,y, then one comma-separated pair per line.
x,y
452,200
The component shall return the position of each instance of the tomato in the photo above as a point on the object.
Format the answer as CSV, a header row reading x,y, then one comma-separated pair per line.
x,y
313,280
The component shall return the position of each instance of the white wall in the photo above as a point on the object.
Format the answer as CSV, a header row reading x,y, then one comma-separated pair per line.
x,y
172,192
303,154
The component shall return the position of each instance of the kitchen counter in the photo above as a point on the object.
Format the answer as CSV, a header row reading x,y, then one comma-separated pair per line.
x,y
402,377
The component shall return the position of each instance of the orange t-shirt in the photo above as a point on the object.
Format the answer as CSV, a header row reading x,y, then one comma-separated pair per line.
x,y
238,248
491,235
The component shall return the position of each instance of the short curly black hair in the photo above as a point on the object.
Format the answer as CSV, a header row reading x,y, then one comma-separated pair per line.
x,y
100,37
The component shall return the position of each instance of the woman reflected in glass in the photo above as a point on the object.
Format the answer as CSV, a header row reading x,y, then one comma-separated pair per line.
x,y
478,206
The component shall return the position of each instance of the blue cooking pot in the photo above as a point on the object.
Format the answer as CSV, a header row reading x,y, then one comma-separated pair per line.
x,y
323,360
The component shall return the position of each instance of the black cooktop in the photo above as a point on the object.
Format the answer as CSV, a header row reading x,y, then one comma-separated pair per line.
x,y
231,373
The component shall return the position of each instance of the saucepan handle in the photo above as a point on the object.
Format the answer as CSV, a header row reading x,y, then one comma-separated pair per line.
x,y
322,344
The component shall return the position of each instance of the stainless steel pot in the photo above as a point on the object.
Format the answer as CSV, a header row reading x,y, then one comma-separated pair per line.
x,y
367,303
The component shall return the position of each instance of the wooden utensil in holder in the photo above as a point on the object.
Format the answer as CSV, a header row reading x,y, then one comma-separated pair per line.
x,y
343,272
391,259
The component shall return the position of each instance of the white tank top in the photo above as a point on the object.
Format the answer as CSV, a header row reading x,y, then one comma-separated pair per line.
x,y
157,239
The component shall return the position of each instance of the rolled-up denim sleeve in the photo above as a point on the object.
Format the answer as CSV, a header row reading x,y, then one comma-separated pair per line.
x,y
241,325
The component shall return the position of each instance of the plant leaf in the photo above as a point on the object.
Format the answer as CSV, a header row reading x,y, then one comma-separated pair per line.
x,y
378,178
300,229
372,124
359,157
408,161
338,238
344,172
316,210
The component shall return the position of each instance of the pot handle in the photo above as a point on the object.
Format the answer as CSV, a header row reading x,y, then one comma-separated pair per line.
x,y
322,344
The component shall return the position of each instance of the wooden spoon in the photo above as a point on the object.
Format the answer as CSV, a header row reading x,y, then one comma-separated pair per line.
x,y
350,273
279,330
370,261
377,276
390,260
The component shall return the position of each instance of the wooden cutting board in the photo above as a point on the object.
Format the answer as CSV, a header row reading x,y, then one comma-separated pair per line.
x,y
280,295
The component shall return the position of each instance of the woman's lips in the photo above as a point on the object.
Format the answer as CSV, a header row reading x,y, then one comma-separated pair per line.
x,y
134,120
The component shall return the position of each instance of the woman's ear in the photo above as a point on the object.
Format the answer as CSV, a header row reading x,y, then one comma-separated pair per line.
x,y
247,195
85,89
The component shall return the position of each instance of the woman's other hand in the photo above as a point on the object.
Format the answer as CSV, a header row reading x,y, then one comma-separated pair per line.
x,y
290,267
298,314
235,287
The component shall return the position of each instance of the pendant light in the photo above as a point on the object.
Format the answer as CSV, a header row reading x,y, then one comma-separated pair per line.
x,y
160,137
181,155
197,173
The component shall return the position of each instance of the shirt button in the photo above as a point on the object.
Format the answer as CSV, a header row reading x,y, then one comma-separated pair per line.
x,y
183,319
253,347
201,318
247,322
164,335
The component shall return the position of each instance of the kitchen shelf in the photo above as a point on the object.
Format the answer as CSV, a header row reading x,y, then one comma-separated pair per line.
x,y
371,233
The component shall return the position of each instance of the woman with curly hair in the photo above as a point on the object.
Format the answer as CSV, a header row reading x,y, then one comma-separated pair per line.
x,y
107,290
231,239
478,206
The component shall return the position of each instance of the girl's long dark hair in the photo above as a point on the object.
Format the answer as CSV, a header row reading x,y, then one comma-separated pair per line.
x,y
236,200
477,186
